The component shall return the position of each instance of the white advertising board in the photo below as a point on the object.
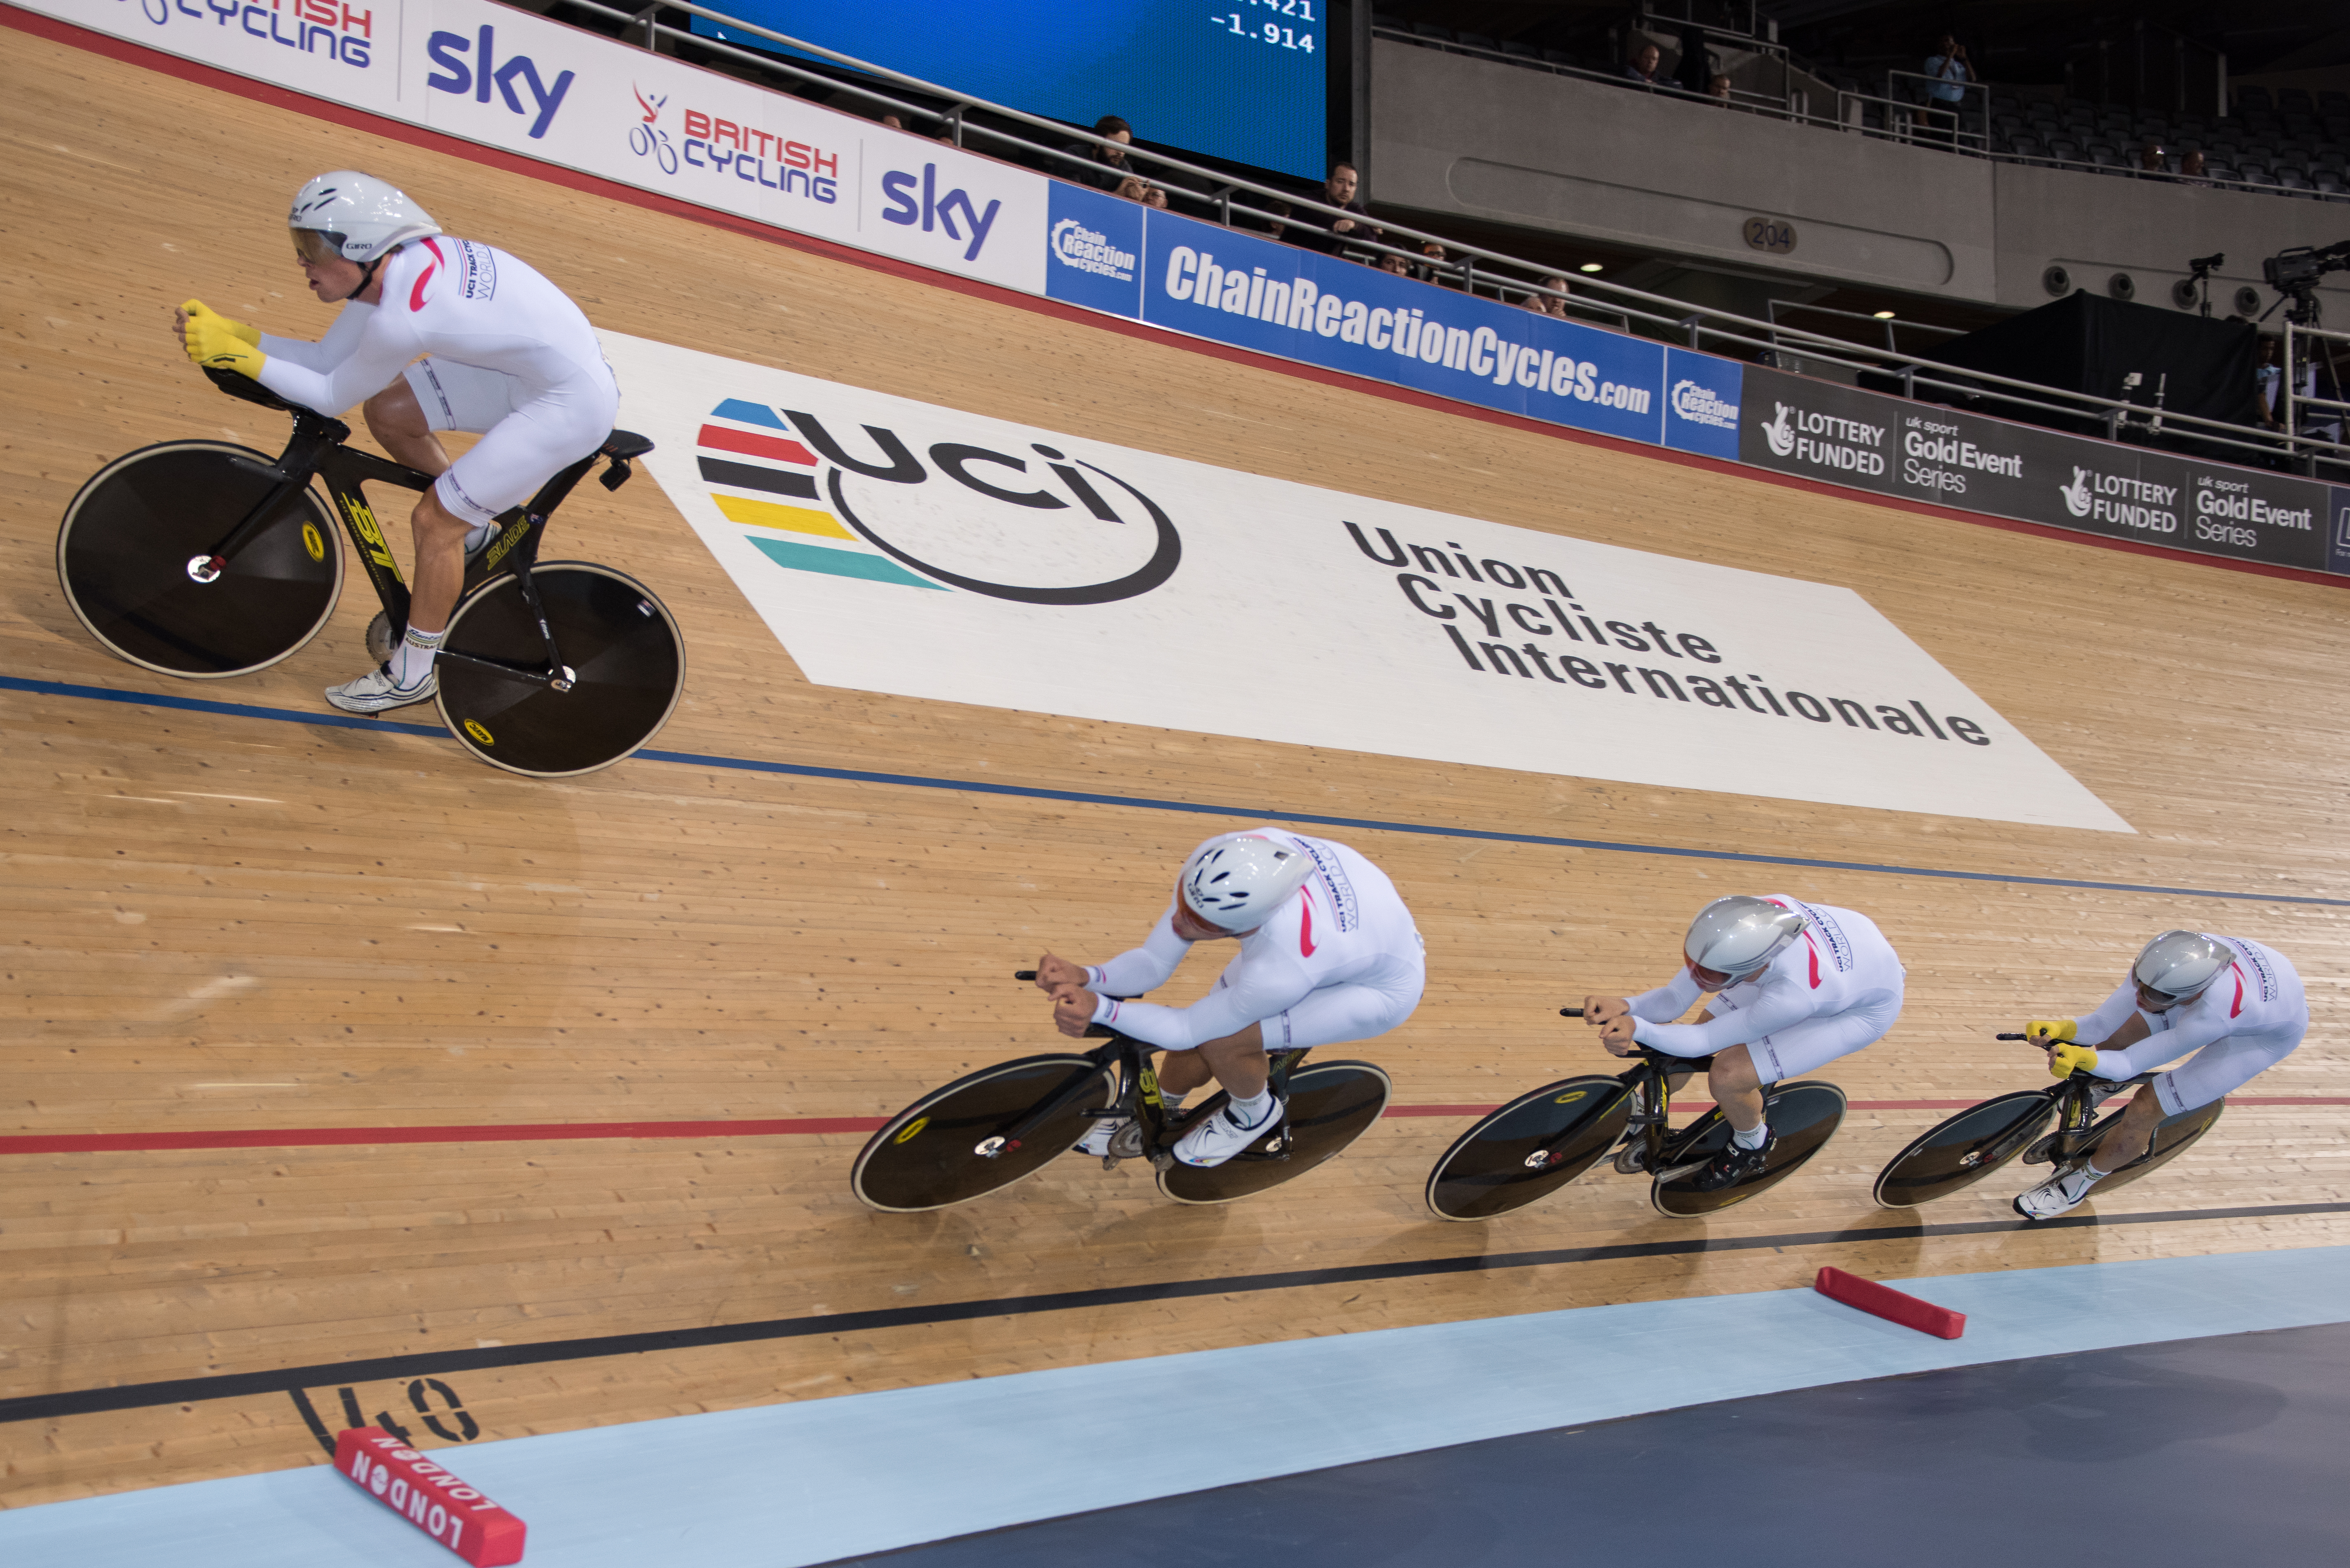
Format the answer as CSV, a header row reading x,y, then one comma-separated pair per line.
x,y
509,79
899,548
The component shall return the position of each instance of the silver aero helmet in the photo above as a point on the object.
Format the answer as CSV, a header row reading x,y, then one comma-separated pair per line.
x,y
363,218
1738,934
1237,880
2178,964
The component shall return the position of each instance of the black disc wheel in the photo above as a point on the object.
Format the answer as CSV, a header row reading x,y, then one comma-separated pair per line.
x,y
1802,1116
1529,1149
1331,1103
949,1147
131,537
627,663
2172,1139
1964,1149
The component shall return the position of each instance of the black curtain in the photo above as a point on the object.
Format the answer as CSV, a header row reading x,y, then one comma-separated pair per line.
x,y
2087,343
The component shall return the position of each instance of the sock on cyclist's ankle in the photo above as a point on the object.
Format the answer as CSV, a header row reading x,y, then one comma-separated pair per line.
x,y
1753,1138
2089,1168
1170,1104
478,535
412,662
1249,1113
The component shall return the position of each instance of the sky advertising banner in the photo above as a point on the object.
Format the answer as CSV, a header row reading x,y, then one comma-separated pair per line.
x,y
898,546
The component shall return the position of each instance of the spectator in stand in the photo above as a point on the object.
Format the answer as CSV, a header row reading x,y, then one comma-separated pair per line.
x,y
1719,89
1133,188
2151,163
1437,268
1155,196
1273,223
1952,74
2191,167
1643,69
1321,231
1109,170
1548,304
1389,261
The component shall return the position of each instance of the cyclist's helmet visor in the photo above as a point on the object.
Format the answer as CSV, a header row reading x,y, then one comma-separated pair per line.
x,y
316,246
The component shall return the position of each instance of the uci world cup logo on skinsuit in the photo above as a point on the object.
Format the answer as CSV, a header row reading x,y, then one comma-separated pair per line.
x,y
1030,521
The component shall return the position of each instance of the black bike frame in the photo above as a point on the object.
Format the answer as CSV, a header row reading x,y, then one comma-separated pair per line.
x,y
319,448
1138,1094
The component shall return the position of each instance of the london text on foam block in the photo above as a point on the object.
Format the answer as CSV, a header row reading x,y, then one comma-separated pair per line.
x,y
426,1495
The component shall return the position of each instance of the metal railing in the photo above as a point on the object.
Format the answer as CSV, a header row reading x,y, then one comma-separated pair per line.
x,y
2298,352
1652,314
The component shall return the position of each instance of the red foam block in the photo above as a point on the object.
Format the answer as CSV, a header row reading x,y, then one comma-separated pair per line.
x,y
426,1495
1890,1305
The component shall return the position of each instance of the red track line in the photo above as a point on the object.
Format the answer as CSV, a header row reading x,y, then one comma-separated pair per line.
x,y
557,1132
121,49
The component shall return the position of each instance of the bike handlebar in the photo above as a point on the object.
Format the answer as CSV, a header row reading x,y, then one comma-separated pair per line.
x,y
2011,1037
1024,974
1570,1013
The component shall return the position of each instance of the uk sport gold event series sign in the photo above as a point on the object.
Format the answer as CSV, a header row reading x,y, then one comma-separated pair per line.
x,y
901,547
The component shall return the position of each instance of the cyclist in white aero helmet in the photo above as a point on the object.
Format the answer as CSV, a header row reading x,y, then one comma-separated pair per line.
x,y
1329,953
2236,1004
435,333
1794,986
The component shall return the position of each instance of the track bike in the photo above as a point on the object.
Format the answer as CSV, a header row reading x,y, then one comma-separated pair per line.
x,y
984,1132
1543,1139
204,560
1961,1152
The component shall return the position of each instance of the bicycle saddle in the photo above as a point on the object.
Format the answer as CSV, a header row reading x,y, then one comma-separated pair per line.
x,y
625,444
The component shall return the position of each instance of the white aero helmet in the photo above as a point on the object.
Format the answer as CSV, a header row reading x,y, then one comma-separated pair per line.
x,y
363,218
1237,880
2178,964
1738,934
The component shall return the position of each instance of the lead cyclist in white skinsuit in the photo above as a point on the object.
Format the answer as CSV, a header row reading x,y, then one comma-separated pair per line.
x,y
1796,986
2236,1004
437,334
1329,953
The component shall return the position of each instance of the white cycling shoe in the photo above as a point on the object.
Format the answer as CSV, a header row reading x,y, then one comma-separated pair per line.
x,y
1097,1142
1218,1139
2060,1194
375,691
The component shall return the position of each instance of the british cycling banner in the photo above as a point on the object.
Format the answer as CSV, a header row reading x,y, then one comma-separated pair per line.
x,y
901,547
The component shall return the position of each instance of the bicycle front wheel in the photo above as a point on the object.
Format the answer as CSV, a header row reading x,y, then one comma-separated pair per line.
x,y
128,536
949,1146
1529,1149
1331,1103
627,659
1964,1149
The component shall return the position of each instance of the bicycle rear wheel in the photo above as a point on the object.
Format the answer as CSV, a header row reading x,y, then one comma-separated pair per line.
x,y
933,1153
1803,1115
1964,1149
1331,1103
129,534
1573,1122
2172,1139
624,650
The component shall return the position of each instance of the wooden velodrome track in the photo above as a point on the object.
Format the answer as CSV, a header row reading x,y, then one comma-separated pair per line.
x,y
218,923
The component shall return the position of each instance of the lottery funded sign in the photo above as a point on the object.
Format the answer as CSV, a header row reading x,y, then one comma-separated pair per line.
x,y
1925,451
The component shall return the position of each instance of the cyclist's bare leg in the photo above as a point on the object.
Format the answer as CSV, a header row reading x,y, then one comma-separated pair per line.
x,y
2132,1137
1736,1088
1237,1062
439,564
397,421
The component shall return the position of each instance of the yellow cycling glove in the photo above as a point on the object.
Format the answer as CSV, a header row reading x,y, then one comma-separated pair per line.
x,y
214,339
2067,1060
2050,1031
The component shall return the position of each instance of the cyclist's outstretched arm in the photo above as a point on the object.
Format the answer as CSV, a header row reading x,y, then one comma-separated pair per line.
x,y
1267,989
382,352
1142,969
328,352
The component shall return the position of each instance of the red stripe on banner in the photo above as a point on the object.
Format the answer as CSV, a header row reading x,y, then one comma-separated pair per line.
x,y
562,1132
725,440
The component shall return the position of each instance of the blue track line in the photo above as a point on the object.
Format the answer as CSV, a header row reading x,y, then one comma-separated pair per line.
x,y
1143,802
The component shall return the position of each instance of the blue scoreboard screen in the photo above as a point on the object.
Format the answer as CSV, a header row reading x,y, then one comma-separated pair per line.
x,y
1243,79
